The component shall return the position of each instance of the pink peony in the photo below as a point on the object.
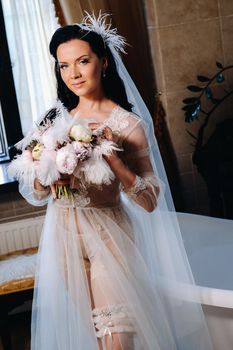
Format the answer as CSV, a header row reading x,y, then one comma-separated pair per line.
x,y
66,159
82,150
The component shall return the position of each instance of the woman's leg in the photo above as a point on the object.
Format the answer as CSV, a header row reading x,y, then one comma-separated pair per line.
x,y
114,329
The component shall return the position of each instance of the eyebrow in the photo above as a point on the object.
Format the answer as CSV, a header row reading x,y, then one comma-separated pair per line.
x,y
77,59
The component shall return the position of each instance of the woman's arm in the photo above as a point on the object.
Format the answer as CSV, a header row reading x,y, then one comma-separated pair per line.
x,y
143,190
33,192
136,173
122,172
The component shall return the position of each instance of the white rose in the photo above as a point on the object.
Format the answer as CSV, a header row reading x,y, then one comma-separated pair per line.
x,y
80,133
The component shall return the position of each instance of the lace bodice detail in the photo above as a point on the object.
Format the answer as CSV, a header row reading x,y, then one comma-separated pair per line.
x,y
118,120
76,200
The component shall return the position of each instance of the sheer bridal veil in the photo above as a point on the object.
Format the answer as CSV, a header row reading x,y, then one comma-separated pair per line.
x,y
158,234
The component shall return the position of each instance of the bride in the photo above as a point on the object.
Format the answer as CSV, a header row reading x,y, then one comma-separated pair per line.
x,y
112,271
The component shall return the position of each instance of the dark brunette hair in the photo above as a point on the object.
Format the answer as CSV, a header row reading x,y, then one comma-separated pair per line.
x,y
113,85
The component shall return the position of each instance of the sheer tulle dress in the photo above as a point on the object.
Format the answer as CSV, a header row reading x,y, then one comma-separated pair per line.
x,y
93,285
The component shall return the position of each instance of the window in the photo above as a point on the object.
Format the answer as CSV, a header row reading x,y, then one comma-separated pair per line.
x,y
26,67
29,27
10,128
4,153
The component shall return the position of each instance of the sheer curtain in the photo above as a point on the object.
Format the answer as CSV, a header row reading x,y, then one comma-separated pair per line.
x,y
29,26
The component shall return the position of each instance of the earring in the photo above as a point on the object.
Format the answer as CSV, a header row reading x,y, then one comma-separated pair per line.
x,y
104,74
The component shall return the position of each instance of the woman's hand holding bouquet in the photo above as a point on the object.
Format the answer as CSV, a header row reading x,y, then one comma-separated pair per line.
x,y
57,153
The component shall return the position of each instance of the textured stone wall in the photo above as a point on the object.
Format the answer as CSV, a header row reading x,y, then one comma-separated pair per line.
x,y
187,37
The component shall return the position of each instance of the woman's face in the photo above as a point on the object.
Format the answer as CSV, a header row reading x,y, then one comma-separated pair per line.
x,y
80,68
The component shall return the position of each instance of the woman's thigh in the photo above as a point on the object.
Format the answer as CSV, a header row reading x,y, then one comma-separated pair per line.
x,y
113,330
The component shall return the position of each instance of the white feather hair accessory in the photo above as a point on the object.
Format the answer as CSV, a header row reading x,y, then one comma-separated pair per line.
x,y
100,26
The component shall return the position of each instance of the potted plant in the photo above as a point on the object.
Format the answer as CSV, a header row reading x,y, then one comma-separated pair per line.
x,y
214,158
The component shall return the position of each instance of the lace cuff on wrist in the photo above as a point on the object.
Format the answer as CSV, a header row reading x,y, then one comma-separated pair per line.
x,y
138,186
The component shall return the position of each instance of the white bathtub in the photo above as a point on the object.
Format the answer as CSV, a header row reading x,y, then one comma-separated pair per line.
x,y
209,245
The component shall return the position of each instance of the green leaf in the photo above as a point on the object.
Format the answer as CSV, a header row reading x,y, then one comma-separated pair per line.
x,y
194,88
209,93
189,107
219,65
187,117
191,100
220,78
202,78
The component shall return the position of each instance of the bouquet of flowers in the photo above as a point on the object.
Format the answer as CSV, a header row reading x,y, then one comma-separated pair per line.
x,y
63,147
